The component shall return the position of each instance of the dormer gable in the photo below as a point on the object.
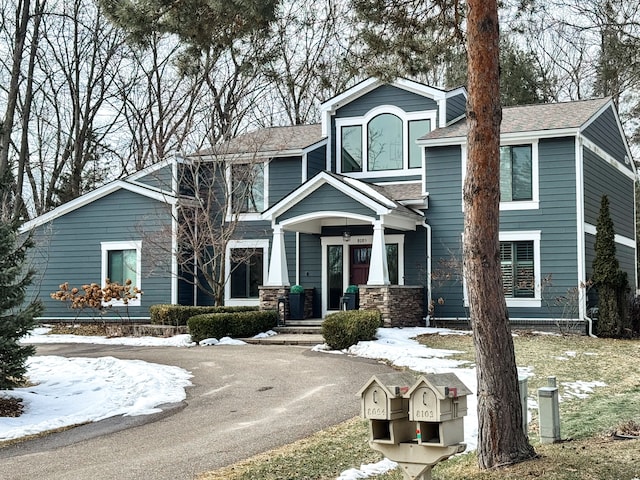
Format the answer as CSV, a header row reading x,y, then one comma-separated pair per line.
x,y
373,127
438,95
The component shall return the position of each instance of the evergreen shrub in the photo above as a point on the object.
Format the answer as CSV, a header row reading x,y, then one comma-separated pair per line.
x,y
343,329
178,315
238,324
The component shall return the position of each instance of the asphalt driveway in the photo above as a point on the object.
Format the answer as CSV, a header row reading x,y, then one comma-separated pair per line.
x,y
245,400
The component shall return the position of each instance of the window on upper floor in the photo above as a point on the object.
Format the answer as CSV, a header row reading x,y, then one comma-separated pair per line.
x,y
384,143
351,152
381,141
248,187
516,173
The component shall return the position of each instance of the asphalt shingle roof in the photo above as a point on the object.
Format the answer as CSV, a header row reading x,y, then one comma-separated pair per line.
x,y
272,140
525,118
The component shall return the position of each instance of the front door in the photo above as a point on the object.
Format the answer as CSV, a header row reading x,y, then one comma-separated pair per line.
x,y
360,258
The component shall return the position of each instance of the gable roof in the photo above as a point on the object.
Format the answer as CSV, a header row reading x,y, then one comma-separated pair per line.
x,y
531,118
369,195
268,142
330,106
129,183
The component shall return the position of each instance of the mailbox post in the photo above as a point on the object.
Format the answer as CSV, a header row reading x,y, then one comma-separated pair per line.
x,y
415,423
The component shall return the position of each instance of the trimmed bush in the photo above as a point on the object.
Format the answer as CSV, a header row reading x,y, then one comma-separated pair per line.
x,y
238,324
178,315
343,329
296,289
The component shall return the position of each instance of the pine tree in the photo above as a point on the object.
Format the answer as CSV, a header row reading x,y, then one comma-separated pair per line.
x,y
15,318
610,281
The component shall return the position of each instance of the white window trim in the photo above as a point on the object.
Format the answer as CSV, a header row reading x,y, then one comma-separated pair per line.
x,y
534,203
356,240
105,248
253,216
363,121
519,236
233,244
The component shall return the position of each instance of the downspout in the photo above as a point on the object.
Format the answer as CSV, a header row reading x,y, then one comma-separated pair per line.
x,y
428,229
590,329
582,308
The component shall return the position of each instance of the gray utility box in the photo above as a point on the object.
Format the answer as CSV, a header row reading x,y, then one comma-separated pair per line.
x,y
438,404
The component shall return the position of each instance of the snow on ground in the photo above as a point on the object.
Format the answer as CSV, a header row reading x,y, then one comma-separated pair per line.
x,y
69,391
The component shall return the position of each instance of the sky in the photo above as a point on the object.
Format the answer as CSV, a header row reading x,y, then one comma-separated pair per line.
x,y
105,387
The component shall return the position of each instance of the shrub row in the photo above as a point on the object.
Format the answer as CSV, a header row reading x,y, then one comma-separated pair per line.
x,y
239,324
343,329
178,315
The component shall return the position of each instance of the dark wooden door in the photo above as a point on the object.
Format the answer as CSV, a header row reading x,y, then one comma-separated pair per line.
x,y
360,259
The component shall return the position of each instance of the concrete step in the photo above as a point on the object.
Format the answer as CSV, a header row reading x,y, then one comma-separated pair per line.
x,y
307,322
299,330
307,340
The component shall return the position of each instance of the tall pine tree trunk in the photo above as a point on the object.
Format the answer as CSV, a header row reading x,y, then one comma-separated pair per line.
x,y
501,439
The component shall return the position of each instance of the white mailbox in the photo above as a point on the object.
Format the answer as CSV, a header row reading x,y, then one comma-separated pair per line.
x,y
438,403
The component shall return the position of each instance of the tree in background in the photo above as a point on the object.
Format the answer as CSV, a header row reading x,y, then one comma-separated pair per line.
x,y
425,40
15,318
611,282
501,439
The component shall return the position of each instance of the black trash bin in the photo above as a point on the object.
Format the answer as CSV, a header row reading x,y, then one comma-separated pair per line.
x,y
349,301
296,306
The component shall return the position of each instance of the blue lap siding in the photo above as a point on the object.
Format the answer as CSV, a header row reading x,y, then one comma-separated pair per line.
x,y
68,250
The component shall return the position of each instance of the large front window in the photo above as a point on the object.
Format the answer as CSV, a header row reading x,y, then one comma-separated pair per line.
x,y
121,266
381,141
516,169
121,262
247,187
247,267
518,269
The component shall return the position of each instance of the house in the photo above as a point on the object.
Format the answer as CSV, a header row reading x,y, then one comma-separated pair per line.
x,y
372,197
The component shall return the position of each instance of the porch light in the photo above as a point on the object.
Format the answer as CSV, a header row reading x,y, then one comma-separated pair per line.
x,y
346,235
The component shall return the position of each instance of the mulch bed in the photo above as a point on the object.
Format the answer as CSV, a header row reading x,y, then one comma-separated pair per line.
x,y
11,407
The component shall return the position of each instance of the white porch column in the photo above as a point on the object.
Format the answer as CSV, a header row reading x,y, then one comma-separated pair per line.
x,y
278,271
378,269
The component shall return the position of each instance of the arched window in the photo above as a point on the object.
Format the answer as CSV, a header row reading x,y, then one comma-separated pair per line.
x,y
384,143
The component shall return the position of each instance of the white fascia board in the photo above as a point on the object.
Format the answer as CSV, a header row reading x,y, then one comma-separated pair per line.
x,y
456,91
94,195
150,169
252,156
316,182
606,106
352,93
420,89
370,192
316,145
615,163
505,138
442,142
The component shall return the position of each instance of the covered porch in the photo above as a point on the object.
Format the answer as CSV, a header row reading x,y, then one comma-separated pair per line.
x,y
347,232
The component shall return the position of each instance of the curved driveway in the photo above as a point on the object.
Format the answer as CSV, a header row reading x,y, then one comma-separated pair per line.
x,y
245,400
